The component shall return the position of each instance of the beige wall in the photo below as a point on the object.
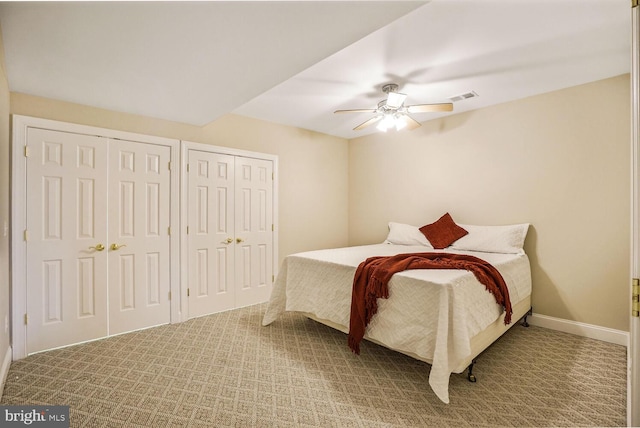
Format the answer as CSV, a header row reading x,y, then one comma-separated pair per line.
x,y
560,161
313,199
4,209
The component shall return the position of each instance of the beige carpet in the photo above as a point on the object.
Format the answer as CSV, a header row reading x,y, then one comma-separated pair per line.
x,y
226,370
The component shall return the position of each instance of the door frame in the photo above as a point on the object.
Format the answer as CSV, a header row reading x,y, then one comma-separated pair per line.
x,y
185,146
20,126
633,349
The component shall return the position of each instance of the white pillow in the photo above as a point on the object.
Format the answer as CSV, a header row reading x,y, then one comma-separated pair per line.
x,y
493,239
405,234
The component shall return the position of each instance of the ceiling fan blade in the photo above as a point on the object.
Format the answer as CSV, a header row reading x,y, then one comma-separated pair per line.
x,y
367,123
425,108
361,110
410,122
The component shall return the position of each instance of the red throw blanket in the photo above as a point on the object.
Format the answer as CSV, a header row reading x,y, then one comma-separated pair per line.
x,y
373,275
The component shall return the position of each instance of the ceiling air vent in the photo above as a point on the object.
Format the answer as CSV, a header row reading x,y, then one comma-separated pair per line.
x,y
464,96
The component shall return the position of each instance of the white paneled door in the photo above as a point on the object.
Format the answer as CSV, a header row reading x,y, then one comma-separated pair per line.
x,y
230,231
253,230
210,233
66,272
97,237
138,235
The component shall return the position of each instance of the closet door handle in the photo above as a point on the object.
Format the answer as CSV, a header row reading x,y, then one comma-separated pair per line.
x,y
228,241
116,247
98,247
239,240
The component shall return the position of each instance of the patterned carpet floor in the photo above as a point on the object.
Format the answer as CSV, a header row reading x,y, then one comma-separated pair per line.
x,y
226,370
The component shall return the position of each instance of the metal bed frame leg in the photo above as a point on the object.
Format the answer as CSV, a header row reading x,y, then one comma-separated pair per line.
x,y
470,376
528,314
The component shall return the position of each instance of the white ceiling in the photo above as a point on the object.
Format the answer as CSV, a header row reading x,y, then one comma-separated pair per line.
x,y
295,62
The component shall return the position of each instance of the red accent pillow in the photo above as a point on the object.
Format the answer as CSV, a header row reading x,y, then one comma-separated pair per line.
x,y
443,232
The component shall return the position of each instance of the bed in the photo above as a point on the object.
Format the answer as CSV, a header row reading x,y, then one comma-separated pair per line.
x,y
443,317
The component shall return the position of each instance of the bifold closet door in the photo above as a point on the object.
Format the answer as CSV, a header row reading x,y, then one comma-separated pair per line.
x,y
210,232
66,239
139,207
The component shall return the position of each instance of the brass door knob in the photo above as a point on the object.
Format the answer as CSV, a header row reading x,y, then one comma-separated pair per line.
x,y
116,247
98,247
228,241
239,240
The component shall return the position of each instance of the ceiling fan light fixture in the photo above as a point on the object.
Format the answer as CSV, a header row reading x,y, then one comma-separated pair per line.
x,y
400,122
386,123
391,120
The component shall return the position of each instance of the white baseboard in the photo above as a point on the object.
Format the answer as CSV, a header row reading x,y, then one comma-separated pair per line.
x,y
605,334
4,369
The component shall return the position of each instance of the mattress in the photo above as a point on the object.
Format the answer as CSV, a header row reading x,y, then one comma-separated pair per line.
x,y
432,314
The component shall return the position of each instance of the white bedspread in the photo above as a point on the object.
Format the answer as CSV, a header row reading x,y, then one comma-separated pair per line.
x,y
430,313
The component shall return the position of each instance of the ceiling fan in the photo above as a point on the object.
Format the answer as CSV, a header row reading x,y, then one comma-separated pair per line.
x,y
393,113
